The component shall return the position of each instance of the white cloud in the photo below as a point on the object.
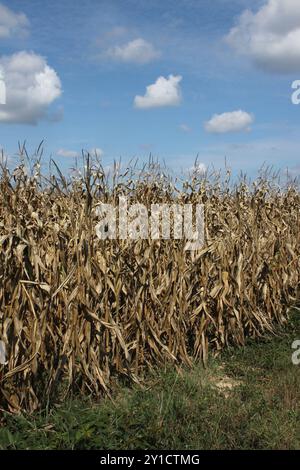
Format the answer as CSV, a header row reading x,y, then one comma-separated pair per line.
x,y
12,23
164,92
271,36
185,128
73,154
198,169
66,153
235,121
31,86
137,51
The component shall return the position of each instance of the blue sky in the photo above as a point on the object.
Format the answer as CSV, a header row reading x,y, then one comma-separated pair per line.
x,y
220,80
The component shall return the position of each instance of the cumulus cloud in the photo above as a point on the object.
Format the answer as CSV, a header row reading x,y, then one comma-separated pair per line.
x,y
31,87
198,168
185,128
12,23
137,51
67,153
164,92
271,36
95,151
235,121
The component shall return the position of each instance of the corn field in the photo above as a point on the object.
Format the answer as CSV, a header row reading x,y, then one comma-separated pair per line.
x,y
78,313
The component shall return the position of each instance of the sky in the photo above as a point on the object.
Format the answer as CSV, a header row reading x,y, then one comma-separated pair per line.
x,y
178,79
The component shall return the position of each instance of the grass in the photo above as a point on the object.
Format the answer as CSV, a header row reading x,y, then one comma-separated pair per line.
x,y
248,398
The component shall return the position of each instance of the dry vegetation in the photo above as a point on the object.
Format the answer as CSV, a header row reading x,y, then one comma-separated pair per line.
x,y
76,312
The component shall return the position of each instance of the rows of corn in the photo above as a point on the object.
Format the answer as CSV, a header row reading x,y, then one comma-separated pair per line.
x,y
78,313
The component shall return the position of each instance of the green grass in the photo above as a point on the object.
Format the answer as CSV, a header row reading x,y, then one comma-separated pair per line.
x,y
183,411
